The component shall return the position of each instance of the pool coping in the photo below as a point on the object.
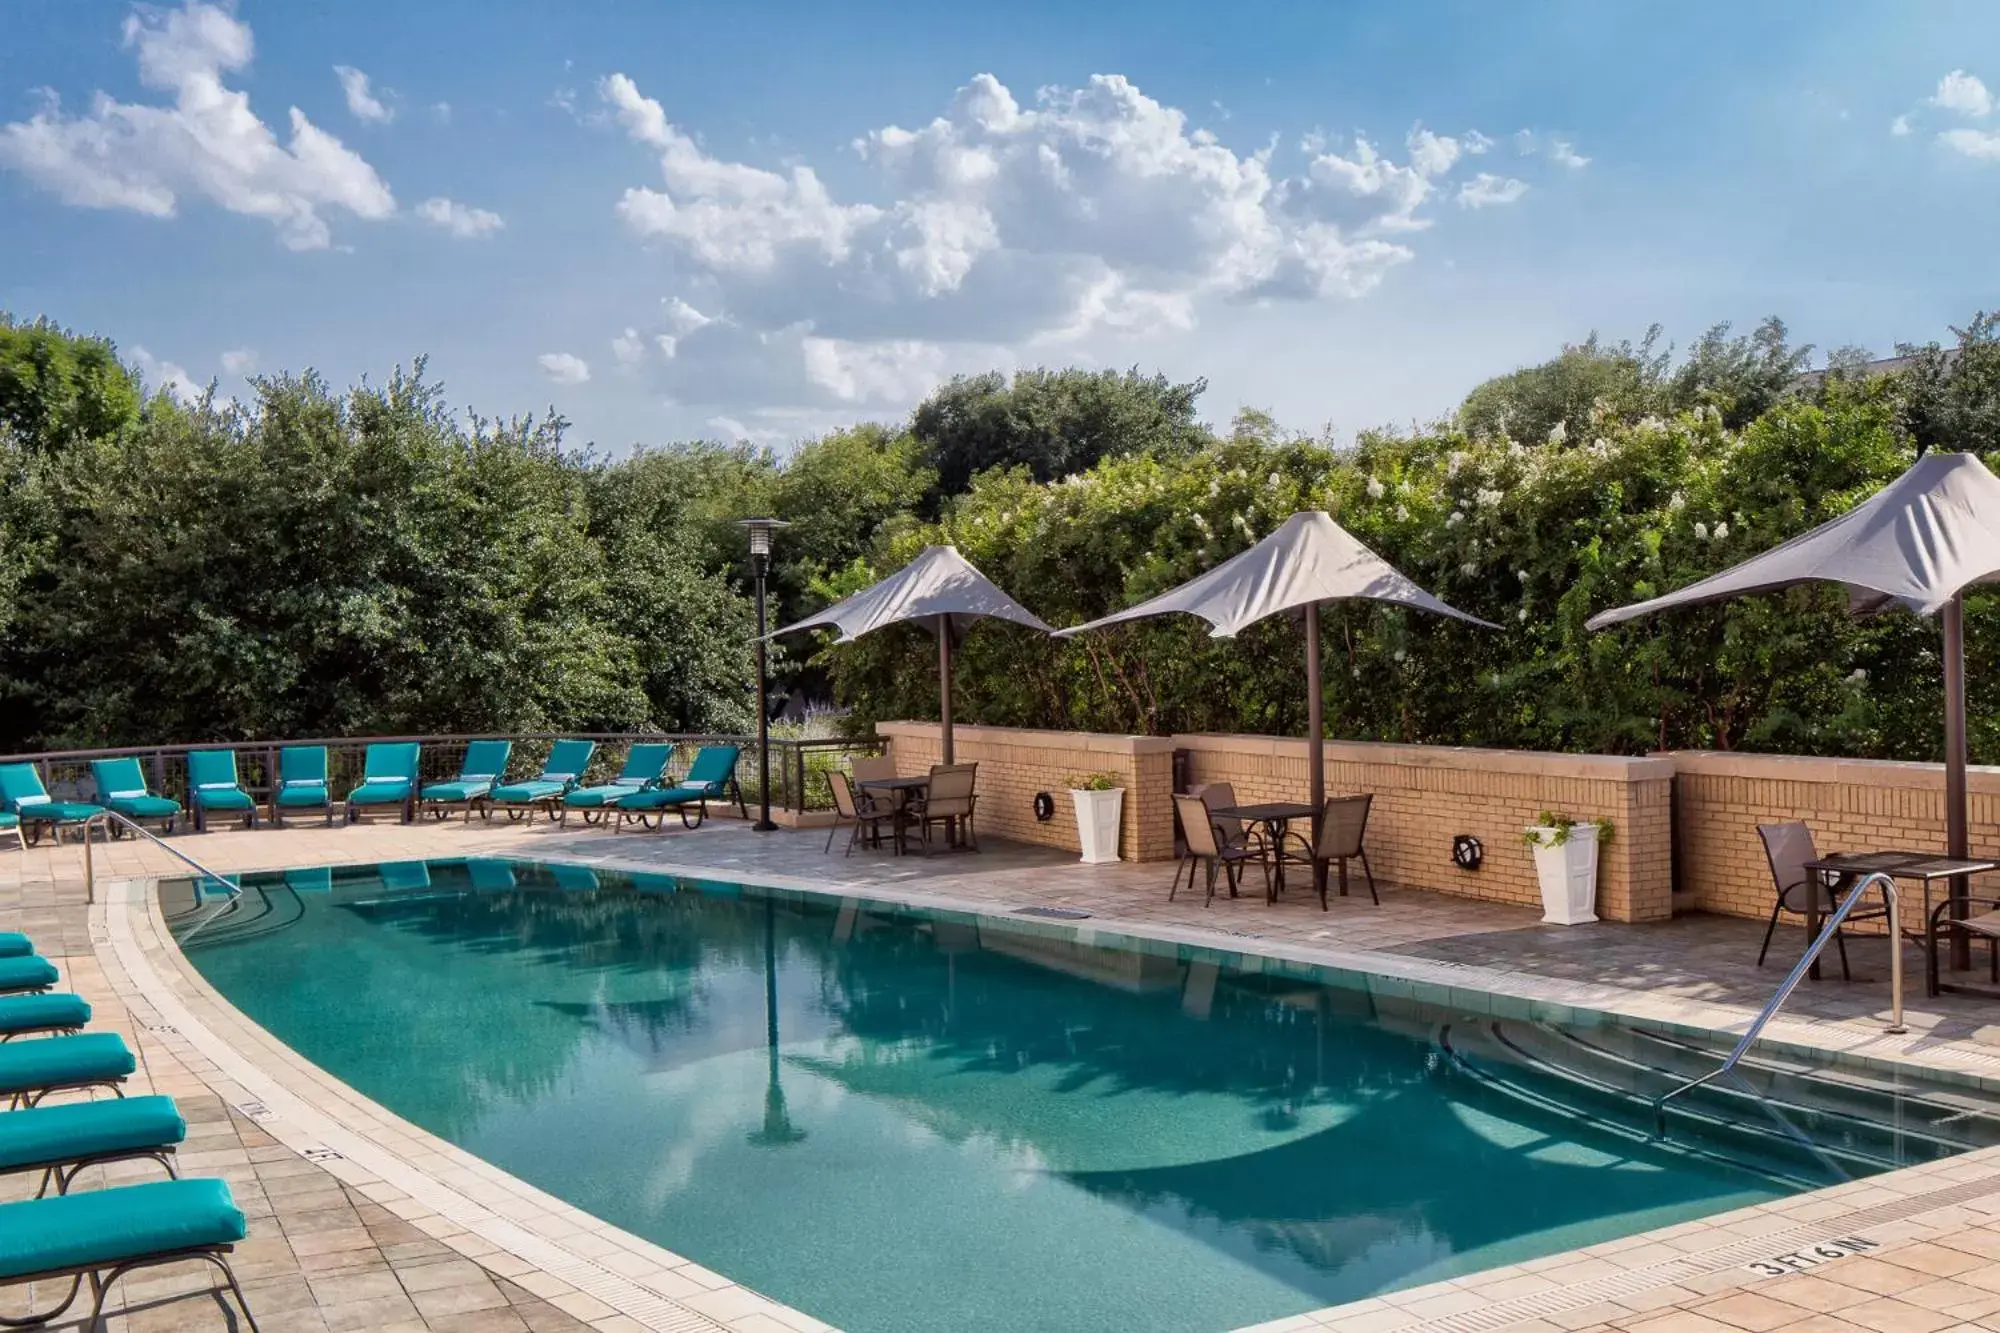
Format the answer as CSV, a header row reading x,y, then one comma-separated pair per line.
x,y
422,1177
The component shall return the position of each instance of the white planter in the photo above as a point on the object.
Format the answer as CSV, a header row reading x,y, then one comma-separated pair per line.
x,y
1568,874
1097,817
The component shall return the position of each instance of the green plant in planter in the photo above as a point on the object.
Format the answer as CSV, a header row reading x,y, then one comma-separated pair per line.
x,y
1094,782
1559,826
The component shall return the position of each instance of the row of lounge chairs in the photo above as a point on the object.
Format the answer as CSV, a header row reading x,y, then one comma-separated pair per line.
x,y
101,1235
643,793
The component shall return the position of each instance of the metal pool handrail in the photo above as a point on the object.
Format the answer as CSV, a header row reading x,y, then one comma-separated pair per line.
x,y
106,817
1797,974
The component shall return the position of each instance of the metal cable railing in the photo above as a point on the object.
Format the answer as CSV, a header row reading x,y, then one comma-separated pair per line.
x,y
1797,974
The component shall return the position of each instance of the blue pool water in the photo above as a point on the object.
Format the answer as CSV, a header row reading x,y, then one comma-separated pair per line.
x,y
901,1123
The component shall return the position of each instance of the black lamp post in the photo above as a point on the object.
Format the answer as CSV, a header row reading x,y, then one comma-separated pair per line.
x,y
760,566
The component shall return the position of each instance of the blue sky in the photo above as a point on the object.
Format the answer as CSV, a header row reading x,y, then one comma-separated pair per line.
x,y
761,221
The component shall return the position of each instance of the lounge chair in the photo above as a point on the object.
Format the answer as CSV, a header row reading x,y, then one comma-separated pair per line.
x,y
1787,847
31,1070
121,789
711,777
13,944
645,768
214,789
388,781
862,811
1342,826
1206,848
23,796
60,1141
947,802
26,972
40,1013
567,760
301,783
106,1234
484,766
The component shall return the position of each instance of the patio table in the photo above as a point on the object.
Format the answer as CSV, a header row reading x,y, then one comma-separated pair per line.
x,y
901,789
1923,867
1274,816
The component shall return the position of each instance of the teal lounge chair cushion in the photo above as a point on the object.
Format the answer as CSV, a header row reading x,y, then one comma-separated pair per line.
x,y
13,944
523,793
664,797
447,793
98,1228
8,819
40,1013
380,793
121,786
47,1062
26,972
304,791
73,1131
212,781
591,798
144,807
223,798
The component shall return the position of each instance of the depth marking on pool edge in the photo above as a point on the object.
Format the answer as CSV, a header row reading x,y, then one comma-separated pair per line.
x,y
1699,1263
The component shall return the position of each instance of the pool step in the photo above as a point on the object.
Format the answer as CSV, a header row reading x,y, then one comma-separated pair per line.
x,y
1774,1113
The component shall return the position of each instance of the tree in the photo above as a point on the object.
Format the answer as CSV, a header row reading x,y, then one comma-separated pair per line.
x,y
1563,399
1053,422
57,387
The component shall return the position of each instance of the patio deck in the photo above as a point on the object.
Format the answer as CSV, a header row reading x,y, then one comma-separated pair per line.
x,y
327,1254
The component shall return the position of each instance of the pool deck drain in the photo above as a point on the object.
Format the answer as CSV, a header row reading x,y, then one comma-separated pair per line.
x,y
1936,1228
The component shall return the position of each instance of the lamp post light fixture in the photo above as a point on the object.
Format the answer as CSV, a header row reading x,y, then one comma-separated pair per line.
x,y
760,530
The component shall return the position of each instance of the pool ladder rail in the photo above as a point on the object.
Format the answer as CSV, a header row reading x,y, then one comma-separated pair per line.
x,y
1791,983
109,818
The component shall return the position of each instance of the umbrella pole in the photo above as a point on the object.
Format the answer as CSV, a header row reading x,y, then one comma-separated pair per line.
x,y
1955,841
1315,741
944,682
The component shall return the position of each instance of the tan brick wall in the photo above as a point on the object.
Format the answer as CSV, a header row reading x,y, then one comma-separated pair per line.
x,y
1426,795
1015,764
1852,805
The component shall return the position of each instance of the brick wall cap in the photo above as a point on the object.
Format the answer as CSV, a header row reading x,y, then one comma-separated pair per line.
x,y
1603,767
1982,778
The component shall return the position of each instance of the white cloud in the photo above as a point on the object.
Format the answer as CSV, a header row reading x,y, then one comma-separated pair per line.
x,y
1564,154
1091,216
239,360
461,220
442,111
564,368
166,376
1900,126
1487,190
207,143
362,103
628,349
1962,93
1983,145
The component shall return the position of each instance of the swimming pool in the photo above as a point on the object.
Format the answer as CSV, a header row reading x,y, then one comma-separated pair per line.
x,y
906,1121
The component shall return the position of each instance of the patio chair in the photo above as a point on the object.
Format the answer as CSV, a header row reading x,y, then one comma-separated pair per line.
x,y
1983,926
947,799
388,781
1207,849
1342,825
42,1013
26,972
564,769
868,768
1788,847
860,812
711,777
121,789
60,1141
31,1070
301,783
13,944
23,796
485,764
645,768
214,789
106,1234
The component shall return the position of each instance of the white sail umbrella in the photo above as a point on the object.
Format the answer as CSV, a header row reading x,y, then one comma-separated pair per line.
x,y
1918,543
939,590
1308,561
